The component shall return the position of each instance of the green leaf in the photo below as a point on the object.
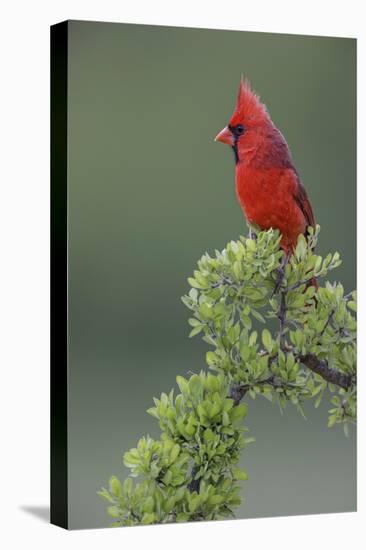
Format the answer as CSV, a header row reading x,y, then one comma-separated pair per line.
x,y
258,316
225,419
181,516
301,247
182,384
240,474
169,504
148,505
195,331
105,495
211,358
267,340
174,453
238,412
127,486
113,511
332,420
168,477
192,282
148,519
115,486
214,500
152,411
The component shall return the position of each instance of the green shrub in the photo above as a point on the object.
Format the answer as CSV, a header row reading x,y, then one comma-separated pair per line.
x,y
191,472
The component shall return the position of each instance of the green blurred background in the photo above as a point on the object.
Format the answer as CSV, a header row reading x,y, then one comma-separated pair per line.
x,y
149,192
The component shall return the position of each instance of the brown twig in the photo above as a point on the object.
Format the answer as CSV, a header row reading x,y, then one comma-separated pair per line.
x,y
282,319
320,366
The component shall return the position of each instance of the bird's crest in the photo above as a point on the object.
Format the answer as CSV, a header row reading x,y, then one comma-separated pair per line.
x,y
249,110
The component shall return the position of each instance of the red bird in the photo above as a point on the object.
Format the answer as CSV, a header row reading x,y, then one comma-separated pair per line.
x,y
268,185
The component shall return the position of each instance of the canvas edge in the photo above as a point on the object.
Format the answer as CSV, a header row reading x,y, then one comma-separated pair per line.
x,y
59,259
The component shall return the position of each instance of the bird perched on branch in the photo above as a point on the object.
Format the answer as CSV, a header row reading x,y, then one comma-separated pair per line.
x,y
268,185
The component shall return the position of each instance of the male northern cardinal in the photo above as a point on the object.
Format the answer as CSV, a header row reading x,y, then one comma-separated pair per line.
x,y
268,185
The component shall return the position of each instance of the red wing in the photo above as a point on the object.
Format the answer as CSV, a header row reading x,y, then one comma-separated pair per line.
x,y
303,202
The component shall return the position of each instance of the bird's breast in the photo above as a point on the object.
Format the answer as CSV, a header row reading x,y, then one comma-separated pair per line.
x,y
267,199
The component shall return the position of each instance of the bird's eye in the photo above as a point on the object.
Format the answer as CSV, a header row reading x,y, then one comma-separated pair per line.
x,y
239,129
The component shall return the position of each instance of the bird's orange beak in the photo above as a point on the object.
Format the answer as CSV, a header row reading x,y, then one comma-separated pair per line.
x,y
225,136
